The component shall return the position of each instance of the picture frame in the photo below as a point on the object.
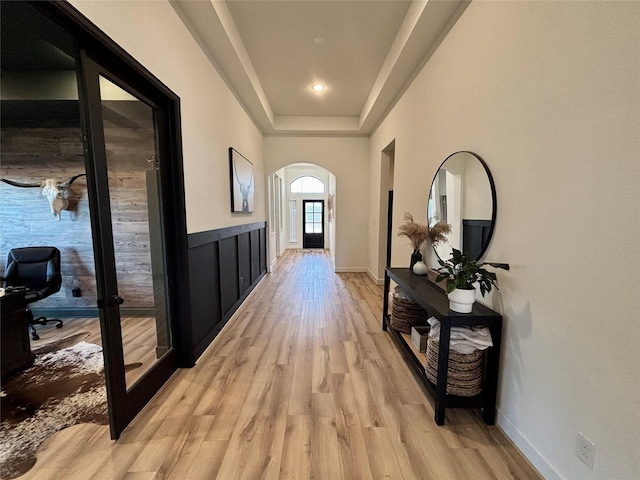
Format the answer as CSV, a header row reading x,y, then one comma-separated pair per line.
x,y
242,182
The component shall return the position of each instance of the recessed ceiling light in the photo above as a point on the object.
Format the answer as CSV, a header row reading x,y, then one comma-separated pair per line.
x,y
317,87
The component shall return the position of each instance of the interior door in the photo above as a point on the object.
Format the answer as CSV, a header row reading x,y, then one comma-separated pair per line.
x,y
126,141
313,225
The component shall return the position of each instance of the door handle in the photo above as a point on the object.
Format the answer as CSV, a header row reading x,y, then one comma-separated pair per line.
x,y
116,300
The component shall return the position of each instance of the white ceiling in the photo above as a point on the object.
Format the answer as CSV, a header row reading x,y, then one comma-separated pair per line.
x,y
365,52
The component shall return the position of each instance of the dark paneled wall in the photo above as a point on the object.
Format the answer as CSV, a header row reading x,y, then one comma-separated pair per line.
x,y
224,266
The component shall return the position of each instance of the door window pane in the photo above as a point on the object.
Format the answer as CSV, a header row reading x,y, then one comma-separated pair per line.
x,y
130,141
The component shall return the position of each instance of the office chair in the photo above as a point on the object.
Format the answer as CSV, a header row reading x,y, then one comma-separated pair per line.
x,y
37,269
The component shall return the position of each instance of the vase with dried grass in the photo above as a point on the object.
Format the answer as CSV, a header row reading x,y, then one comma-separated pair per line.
x,y
418,234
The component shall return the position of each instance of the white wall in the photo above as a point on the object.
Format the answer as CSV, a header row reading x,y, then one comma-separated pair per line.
x,y
547,93
346,158
212,119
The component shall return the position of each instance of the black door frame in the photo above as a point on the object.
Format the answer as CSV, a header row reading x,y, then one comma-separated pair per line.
x,y
98,49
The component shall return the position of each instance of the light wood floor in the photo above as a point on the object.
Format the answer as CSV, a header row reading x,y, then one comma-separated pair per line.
x,y
138,338
302,383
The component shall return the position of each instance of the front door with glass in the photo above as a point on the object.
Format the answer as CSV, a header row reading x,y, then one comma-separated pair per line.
x,y
313,225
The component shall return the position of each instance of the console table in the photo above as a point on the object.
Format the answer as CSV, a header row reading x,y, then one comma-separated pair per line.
x,y
16,345
433,299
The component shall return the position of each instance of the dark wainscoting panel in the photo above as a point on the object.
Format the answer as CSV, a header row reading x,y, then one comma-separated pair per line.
x,y
203,266
244,263
229,266
224,266
255,255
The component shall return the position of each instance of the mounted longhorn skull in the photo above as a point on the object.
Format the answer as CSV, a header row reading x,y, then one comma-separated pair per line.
x,y
56,192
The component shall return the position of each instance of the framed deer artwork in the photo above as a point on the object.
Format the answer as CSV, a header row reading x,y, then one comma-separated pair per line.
x,y
242,182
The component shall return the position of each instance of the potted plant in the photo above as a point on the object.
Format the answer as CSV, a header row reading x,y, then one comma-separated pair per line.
x,y
418,234
461,274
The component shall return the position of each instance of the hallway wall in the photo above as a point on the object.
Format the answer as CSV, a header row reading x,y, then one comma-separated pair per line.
x,y
212,118
548,94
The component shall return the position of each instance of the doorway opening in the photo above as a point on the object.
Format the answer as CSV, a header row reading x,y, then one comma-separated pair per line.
x,y
385,214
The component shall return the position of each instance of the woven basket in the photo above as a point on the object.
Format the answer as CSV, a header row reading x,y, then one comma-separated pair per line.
x,y
465,373
405,313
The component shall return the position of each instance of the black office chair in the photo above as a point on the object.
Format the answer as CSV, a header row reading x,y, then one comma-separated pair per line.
x,y
37,269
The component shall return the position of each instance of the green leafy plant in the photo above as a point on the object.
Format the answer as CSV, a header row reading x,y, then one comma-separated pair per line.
x,y
462,272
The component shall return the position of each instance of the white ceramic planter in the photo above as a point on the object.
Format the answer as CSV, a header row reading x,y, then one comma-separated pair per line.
x,y
461,301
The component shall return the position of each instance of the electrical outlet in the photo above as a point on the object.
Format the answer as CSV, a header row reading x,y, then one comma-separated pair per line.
x,y
585,450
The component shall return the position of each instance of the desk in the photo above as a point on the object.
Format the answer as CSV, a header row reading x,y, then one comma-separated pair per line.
x,y
15,345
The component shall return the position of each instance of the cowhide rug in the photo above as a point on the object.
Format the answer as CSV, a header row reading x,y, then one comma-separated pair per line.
x,y
64,387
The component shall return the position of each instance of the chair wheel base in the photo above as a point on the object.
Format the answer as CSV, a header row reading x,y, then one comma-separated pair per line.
x,y
41,321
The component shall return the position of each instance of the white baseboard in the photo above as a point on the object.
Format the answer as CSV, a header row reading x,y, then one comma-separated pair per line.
x,y
377,281
350,270
529,451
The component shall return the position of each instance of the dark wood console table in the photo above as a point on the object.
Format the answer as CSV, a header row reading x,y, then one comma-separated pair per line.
x,y
15,343
433,299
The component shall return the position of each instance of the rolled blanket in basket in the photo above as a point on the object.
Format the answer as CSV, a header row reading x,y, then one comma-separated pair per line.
x,y
463,339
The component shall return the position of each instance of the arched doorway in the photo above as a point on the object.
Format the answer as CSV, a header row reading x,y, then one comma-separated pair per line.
x,y
291,186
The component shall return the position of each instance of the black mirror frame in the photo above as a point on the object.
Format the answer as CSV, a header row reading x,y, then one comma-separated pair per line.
x,y
493,199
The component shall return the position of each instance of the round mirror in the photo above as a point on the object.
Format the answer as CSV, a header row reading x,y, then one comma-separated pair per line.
x,y
464,196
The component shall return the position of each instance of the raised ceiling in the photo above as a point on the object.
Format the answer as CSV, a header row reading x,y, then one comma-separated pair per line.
x,y
364,52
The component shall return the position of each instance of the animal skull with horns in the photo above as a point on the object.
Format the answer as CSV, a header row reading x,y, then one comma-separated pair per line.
x,y
56,192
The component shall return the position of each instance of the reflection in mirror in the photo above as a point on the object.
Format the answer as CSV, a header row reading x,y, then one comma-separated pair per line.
x,y
463,195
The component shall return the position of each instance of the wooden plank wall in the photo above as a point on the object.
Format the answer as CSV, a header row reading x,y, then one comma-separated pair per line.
x,y
127,153
31,154
224,266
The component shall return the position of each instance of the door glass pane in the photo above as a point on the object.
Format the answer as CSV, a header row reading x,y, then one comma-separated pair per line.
x,y
130,141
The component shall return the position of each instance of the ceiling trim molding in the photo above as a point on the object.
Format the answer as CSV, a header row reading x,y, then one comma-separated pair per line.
x,y
240,50
424,26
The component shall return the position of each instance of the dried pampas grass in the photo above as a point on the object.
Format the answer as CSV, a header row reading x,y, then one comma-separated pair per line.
x,y
418,233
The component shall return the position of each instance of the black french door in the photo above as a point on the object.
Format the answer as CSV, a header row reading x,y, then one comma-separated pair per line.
x,y
130,125
126,134
313,224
